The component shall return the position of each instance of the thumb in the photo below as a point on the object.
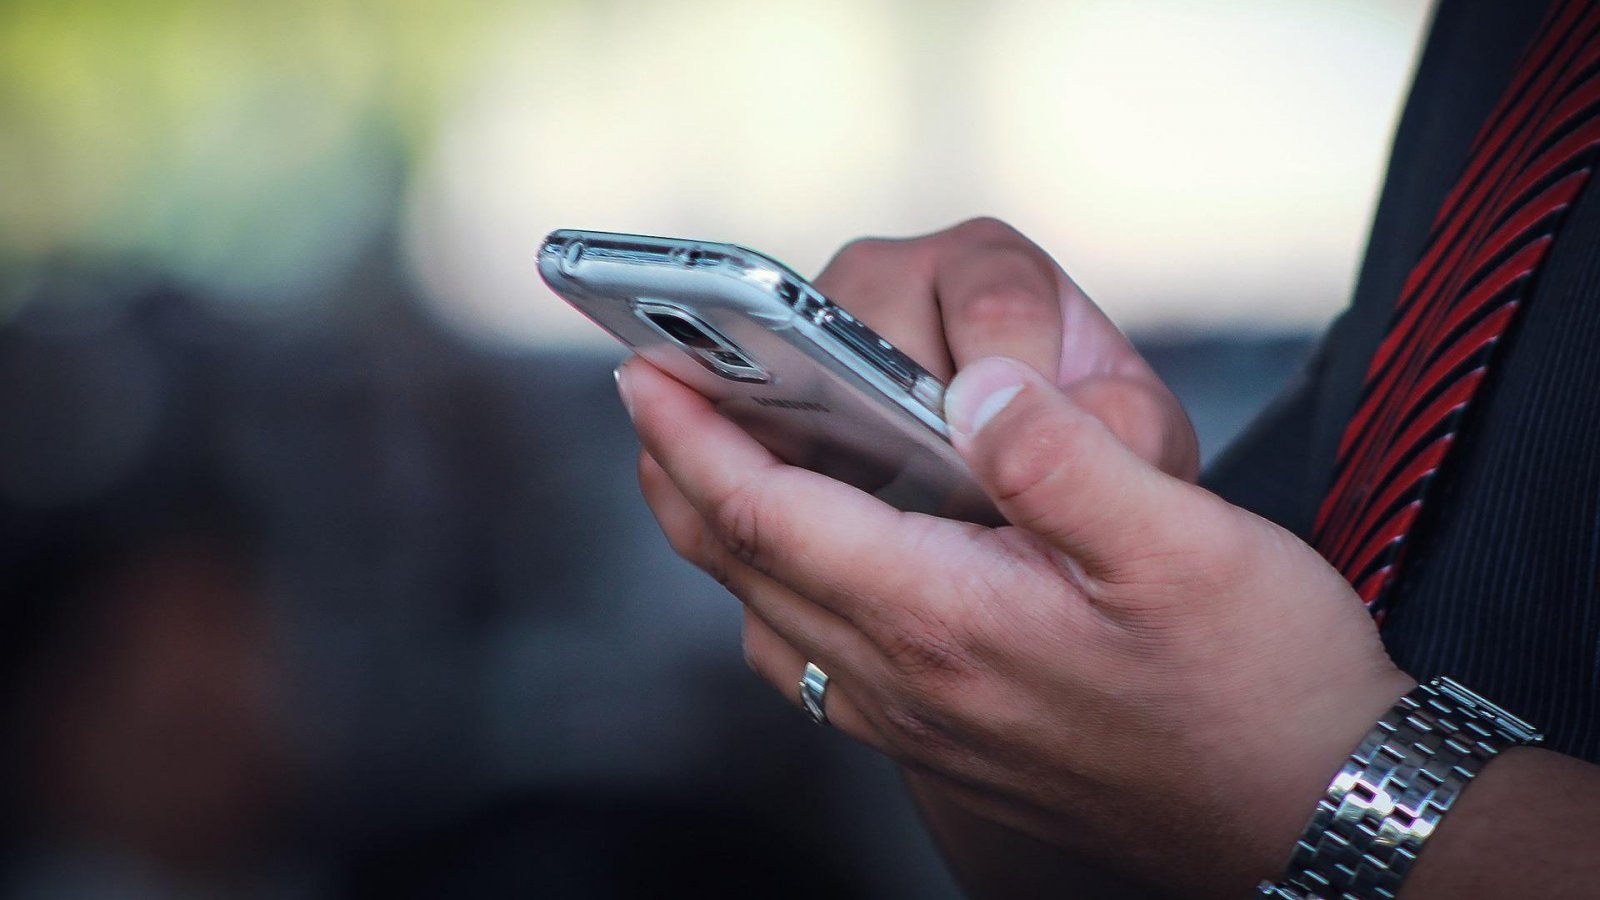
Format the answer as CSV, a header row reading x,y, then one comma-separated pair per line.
x,y
1055,469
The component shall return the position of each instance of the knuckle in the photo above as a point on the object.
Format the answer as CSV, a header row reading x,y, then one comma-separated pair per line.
x,y
714,563
1047,453
929,651
695,544
1222,565
921,729
1008,305
984,230
737,525
861,254
939,663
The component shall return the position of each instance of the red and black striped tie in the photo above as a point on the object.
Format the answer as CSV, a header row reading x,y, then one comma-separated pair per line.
x,y
1525,169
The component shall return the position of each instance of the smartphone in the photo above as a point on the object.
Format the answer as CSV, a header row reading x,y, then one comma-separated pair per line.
x,y
797,372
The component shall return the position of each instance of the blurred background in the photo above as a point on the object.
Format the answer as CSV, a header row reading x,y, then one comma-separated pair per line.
x,y
322,569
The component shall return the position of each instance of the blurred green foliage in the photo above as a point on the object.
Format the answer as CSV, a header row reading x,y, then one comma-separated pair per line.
x,y
250,145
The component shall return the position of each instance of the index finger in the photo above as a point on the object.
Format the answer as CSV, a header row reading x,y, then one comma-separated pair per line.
x,y
978,289
831,543
999,295
888,284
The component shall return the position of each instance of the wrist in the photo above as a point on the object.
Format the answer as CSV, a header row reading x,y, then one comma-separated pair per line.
x,y
1333,725
1392,792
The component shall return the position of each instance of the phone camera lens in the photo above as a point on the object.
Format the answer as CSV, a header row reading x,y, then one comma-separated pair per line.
x,y
684,332
712,350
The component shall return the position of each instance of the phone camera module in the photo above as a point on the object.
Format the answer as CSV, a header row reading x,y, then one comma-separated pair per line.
x,y
683,331
709,348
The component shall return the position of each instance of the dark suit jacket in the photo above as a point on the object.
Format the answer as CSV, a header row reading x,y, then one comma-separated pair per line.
x,y
1501,583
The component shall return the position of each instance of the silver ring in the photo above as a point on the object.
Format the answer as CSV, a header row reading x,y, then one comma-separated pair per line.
x,y
814,692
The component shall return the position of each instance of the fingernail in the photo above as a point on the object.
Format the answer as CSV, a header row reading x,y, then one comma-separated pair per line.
x,y
981,390
620,373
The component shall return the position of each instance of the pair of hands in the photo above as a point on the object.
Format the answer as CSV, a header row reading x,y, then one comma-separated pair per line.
x,y
1133,670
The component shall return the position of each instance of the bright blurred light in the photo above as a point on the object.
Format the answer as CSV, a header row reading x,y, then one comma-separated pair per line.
x,y
1204,165
235,146
1199,165
712,119
1197,162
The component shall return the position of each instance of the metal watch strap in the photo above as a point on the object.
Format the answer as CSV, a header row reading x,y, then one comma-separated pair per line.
x,y
1393,790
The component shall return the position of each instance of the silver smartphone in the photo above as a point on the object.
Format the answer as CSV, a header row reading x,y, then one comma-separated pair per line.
x,y
799,373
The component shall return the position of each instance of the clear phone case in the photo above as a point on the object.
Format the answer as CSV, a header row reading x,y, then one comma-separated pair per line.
x,y
799,373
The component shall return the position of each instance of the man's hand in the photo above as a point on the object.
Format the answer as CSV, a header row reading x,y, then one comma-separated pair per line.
x,y
982,289
1134,670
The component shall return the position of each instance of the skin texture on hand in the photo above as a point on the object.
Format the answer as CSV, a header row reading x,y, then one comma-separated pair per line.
x,y
982,289
1133,670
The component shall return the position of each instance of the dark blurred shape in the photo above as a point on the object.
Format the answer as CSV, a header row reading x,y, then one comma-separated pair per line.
x,y
326,607
140,698
342,606
603,846
150,725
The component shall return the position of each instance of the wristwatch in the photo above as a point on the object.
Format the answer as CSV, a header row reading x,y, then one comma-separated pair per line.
x,y
1391,793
